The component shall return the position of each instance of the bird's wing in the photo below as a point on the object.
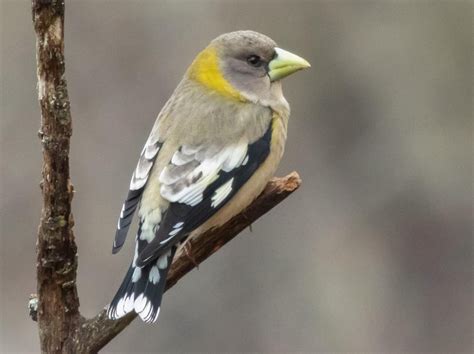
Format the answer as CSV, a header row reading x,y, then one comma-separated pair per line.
x,y
198,181
137,185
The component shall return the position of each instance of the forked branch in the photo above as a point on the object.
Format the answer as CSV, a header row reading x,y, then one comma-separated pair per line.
x,y
62,329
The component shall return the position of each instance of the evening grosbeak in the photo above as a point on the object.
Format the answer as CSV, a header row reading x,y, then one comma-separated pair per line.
x,y
213,148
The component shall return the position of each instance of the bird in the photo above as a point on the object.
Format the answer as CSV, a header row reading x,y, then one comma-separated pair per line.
x,y
214,146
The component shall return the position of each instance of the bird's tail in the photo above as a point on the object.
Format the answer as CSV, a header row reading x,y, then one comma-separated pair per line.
x,y
142,289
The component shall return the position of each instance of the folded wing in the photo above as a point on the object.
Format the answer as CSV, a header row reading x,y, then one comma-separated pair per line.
x,y
198,181
137,185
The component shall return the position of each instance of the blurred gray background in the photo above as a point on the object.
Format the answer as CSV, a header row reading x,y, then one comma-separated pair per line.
x,y
373,253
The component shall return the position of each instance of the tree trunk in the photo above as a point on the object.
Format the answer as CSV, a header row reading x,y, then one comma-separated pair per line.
x,y
58,305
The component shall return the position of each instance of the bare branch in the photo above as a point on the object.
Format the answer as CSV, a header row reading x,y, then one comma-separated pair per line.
x,y
58,303
98,331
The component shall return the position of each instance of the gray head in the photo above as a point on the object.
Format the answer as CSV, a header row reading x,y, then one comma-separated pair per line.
x,y
244,55
246,64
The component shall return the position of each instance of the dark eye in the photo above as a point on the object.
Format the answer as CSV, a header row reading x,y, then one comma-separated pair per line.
x,y
255,61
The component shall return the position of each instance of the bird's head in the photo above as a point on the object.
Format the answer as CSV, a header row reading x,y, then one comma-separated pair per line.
x,y
244,65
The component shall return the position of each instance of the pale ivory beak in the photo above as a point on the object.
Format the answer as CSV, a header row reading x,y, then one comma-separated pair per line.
x,y
284,64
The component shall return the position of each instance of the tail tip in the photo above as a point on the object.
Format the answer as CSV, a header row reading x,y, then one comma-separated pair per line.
x,y
119,308
144,307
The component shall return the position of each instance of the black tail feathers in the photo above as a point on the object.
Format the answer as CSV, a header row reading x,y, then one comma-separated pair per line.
x,y
142,289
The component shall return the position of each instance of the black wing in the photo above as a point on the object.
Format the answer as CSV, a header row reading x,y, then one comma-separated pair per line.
x,y
137,185
198,182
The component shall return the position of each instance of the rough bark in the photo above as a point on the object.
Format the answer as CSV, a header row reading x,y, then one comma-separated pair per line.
x,y
61,327
58,303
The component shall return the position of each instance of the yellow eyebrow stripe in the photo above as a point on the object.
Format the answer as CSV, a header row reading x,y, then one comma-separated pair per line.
x,y
206,70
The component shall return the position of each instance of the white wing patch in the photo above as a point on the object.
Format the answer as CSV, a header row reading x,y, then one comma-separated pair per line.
x,y
137,271
137,184
154,275
135,255
194,168
150,225
140,175
137,274
166,239
221,193
180,158
151,147
176,229
162,261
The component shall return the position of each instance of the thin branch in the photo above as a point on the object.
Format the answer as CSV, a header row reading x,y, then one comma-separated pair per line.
x,y
98,331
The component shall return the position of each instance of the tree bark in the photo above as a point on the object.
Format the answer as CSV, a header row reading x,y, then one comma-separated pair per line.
x,y
61,327
58,303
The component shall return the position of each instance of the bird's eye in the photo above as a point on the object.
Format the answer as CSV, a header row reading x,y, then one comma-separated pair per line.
x,y
254,60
